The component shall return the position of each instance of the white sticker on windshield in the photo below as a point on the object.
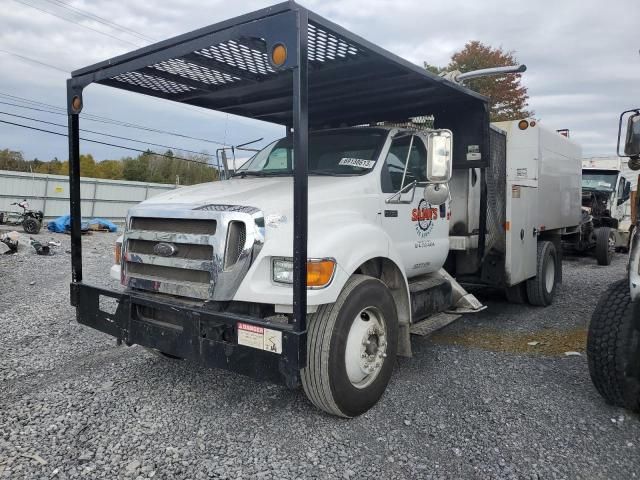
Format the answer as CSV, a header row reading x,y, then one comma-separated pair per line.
x,y
357,162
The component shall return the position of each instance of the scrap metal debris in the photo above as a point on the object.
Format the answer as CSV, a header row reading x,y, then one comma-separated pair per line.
x,y
9,242
40,249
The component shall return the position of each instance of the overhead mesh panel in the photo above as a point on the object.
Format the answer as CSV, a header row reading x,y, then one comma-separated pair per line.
x,y
153,83
195,72
325,46
232,62
239,56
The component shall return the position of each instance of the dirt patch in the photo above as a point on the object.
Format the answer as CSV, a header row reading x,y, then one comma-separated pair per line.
x,y
548,342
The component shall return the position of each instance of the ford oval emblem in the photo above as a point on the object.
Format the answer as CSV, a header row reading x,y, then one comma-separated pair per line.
x,y
165,249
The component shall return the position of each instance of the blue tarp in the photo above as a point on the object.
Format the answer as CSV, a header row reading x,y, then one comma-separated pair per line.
x,y
63,224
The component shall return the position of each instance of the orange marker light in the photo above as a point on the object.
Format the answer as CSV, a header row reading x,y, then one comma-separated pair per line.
x,y
320,272
523,124
279,55
117,252
76,104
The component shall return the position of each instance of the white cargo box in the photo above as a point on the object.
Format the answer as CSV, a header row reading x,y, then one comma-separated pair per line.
x,y
543,192
533,190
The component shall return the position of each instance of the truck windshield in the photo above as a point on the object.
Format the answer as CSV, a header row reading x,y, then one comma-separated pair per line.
x,y
602,181
334,152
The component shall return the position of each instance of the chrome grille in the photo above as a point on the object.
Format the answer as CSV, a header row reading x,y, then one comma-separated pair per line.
x,y
236,238
189,272
210,249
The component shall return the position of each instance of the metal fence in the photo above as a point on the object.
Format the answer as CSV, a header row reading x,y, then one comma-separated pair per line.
x,y
102,198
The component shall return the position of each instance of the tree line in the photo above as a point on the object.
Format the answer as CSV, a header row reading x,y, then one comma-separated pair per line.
x,y
146,167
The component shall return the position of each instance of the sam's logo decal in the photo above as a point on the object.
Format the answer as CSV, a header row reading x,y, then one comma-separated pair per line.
x,y
424,216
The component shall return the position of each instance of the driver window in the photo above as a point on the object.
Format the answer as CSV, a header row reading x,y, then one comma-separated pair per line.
x,y
395,162
621,187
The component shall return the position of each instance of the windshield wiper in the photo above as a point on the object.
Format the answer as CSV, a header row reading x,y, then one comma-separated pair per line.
x,y
261,173
330,173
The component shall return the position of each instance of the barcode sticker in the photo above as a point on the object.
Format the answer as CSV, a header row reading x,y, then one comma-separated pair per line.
x,y
357,162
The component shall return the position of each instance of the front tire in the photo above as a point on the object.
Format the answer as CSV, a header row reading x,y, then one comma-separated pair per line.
x,y
542,288
605,245
613,347
351,348
31,226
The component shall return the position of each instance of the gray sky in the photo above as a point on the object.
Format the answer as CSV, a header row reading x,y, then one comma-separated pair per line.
x,y
582,56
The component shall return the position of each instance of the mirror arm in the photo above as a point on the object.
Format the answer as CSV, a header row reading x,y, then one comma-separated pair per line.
x,y
406,162
401,191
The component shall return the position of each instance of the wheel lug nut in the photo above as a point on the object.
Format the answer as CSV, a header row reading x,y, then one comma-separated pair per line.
x,y
384,355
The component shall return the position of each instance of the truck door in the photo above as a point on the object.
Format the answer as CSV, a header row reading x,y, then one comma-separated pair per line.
x,y
619,211
418,230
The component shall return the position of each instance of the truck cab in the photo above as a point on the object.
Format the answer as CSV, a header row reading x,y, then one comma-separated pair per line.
x,y
605,197
366,188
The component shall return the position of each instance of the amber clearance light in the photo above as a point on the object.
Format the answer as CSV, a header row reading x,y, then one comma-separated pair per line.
x,y
117,252
523,124
279,55
76,103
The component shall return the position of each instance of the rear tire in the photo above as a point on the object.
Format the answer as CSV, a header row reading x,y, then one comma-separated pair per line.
x,y
542,288
517,293
345,376
613,347
31,226
605,245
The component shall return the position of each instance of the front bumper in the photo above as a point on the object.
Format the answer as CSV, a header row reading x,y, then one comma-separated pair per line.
x,y
196,333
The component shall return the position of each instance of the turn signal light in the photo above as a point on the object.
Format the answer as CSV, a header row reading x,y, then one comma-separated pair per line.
x,y
320,272
523,124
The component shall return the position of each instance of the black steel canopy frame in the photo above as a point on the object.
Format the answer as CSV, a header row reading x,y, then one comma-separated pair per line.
x,y
328,77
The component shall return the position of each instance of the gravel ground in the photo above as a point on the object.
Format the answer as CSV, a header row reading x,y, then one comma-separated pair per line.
x,y
476,401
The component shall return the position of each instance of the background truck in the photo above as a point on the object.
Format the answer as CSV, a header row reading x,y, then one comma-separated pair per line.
x,y
606,209
315,262
613,342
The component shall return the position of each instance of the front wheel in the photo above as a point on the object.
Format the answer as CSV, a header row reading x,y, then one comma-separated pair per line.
x,y
351,348
613,347
31,225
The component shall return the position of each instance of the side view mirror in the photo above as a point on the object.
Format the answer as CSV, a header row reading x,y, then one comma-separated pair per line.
x,y
439,156
632,143
437,193
632,137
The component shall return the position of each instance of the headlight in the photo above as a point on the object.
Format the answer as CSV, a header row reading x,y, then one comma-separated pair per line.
x,y
319,272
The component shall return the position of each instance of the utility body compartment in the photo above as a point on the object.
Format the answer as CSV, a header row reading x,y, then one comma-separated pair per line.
x,y
533,191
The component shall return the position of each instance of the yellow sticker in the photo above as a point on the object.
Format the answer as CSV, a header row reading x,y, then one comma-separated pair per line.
x,y
59,189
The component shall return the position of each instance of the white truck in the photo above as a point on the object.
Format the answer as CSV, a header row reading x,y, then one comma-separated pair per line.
x,y
382,224
316,261
613,342
606,224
